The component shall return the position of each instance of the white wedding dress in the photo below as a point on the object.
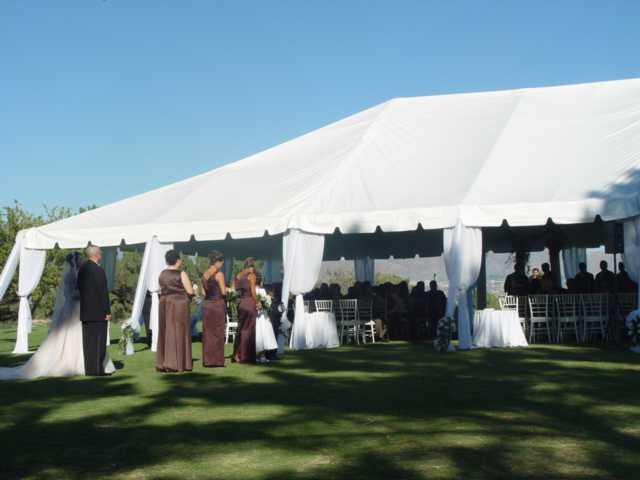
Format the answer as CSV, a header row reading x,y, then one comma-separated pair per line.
x,y
265,337
60,354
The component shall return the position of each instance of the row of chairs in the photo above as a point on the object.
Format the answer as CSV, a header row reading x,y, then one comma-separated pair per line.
x,y
556,317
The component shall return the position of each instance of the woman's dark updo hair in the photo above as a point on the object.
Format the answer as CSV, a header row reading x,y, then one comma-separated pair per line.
x,y
72,257
171,257
248,263
215,256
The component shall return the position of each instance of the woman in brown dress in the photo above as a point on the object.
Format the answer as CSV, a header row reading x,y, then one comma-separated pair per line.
x,y
173,352
244,345
214,312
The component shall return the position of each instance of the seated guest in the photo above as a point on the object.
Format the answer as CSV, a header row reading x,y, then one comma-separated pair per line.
x,y
324,293
604,279
625,284
334,289
547,273
366,293
584,280
395,313
535,274
436,306
418,290
517,283
572,289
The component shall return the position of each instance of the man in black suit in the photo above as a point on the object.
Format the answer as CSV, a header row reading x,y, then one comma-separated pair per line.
x,y
95,312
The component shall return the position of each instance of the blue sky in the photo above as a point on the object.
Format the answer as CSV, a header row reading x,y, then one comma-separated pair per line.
x,y
103,100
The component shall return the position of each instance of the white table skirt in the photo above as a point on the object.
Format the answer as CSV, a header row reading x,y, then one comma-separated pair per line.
x,y
320,331
497,328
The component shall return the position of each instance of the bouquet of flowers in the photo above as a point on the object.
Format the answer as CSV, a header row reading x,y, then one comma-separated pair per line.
x,y
446,327
232,296
125,344
265,302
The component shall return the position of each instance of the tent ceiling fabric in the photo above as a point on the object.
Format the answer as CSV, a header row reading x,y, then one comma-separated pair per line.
x,y
568,153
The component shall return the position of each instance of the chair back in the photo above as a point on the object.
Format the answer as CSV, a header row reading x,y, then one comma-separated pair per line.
x,y
324,305
595,305
365,310
348,310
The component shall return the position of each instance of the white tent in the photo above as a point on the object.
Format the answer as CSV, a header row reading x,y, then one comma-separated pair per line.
x,y
552,162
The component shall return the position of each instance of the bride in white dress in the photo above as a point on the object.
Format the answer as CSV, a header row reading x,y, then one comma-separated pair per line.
x,y
60,354
265,337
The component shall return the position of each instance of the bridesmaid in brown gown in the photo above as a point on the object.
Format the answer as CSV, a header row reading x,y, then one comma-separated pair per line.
x,y
173,353
214,312
244,345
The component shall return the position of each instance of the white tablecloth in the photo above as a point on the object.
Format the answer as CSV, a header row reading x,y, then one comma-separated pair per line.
x,y
497,328
320,331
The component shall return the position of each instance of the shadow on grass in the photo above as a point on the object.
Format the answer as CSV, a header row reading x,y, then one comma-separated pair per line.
x,y
377,411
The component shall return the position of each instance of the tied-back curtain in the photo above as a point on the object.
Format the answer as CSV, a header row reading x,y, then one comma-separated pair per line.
x,y
227,269
302,254
108,264
11,264
631,255
365,269
571,258
31,267
462,258
153,263
271,271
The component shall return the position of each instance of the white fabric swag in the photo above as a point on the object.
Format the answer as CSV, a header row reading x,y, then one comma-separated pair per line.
x,y
302,254
571,258
31,267
11,264
153,262
462,259
365,269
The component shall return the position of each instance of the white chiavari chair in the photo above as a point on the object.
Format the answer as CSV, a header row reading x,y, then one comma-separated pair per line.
x,y
567,316
595,313
231,324
541,317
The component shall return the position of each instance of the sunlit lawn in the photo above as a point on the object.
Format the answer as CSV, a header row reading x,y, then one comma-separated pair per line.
x,y
385,411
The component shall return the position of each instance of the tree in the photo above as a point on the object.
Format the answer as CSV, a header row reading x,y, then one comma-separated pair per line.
x,y
12,220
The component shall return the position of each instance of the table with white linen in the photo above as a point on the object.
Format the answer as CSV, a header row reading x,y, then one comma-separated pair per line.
x,y
320,331
497,328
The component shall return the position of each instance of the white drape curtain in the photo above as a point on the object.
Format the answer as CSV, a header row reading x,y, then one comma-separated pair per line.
x,y
631,255
11,264
571,258
108,264
302,254
365,269
31,267
153,263
227,268
271,270
462,258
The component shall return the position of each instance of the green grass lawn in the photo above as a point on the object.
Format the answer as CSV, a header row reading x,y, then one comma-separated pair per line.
x,y
388,411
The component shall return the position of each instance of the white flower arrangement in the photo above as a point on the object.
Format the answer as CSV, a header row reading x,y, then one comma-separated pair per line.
x,y
445,329
232,296
265,302
125,344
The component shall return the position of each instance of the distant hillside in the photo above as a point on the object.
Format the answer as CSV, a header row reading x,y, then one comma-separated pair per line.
x,y
498,266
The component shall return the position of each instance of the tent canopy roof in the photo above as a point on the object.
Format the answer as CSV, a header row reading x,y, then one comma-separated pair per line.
x,y
568,153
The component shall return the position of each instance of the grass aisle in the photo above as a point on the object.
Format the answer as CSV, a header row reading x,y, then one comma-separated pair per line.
x,y
385,411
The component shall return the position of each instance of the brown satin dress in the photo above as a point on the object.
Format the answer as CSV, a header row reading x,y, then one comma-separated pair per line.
x,y
214,317
245,341
173,353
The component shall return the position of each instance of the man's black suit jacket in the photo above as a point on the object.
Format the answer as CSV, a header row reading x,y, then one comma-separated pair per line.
x,y
94,293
